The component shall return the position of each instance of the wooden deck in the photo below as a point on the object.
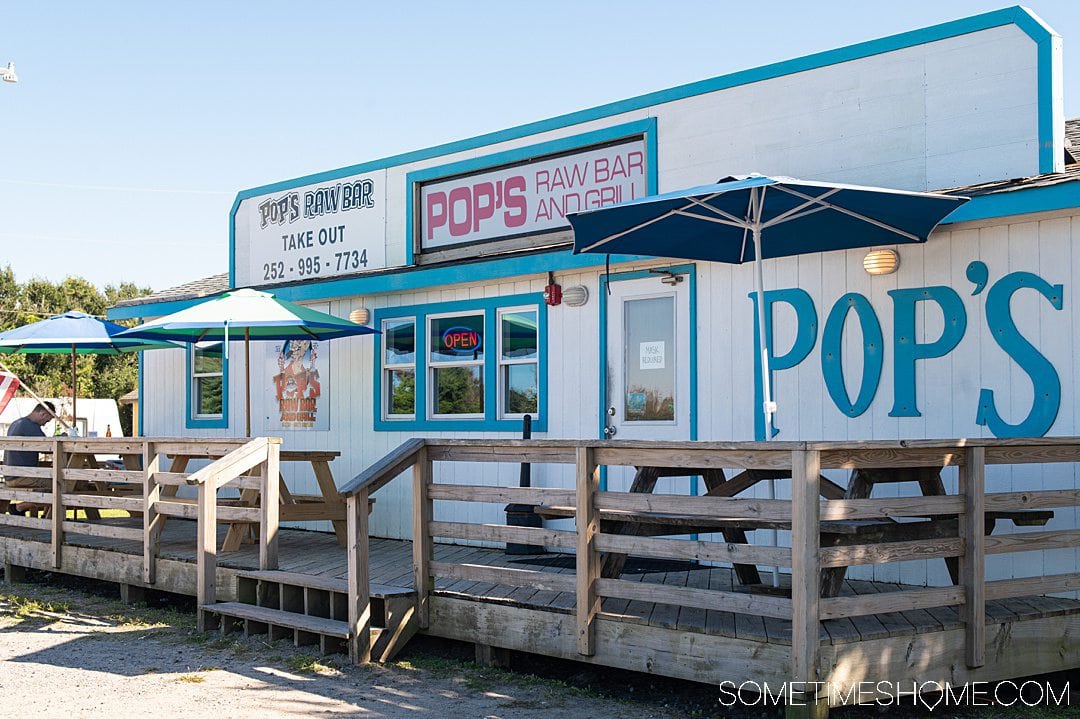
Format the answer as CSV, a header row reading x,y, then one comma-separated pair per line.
x,y
673,610
317,554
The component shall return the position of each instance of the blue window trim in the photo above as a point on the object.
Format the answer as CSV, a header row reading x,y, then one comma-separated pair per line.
x,y
491,422
627,131
687,269
190,420
1030,24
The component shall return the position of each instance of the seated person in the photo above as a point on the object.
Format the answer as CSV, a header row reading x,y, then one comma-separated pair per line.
x,y
28,426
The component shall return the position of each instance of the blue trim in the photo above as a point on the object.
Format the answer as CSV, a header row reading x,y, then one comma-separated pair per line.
x,y
1063,196
1023,18
627,131
491,421
691,271
192,422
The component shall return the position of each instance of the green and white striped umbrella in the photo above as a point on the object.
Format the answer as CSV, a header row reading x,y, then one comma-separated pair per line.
x,y
250,314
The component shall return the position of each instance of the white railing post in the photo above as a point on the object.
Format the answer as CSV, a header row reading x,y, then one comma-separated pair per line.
x,y
588,558
973,561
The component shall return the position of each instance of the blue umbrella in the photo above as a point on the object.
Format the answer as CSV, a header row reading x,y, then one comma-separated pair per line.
x,y
730,220
75,333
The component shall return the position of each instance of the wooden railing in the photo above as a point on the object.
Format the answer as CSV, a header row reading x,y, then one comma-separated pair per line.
x,y
76,482
357,493
952,527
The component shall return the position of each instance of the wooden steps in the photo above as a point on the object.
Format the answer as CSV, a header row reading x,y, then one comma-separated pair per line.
x,y
315,610
279,618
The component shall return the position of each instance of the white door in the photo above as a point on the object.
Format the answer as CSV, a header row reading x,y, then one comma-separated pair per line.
x,y
648,358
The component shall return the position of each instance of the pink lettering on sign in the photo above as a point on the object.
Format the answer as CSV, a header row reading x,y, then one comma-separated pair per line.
x,y
533,196
468,207
436,212
518,204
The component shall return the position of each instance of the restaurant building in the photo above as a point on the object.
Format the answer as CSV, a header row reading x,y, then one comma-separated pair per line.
x,y
460,255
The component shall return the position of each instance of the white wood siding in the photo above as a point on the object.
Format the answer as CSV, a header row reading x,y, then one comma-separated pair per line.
x,y
948,387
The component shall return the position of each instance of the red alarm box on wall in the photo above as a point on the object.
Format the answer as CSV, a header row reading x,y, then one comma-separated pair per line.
x,y
553,294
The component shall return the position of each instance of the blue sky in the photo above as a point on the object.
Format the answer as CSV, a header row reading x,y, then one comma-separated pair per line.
x,y
134,124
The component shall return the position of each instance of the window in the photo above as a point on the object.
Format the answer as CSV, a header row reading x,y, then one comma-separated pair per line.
x,y
456,363
469,365
519,357
207,385
399,367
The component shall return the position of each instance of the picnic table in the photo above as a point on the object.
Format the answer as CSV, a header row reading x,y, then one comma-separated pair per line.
x,y
327,505
833,533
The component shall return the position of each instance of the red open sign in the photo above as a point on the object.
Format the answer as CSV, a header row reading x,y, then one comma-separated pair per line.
x,y
461,340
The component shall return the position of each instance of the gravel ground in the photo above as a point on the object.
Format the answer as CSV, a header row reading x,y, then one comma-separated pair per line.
x,y
69,649
66,653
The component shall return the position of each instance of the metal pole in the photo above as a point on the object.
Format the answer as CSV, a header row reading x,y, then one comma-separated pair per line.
x,y
74,393
768,406
524,515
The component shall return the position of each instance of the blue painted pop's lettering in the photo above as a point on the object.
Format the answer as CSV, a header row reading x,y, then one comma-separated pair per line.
x,y
805,337
1044,378
978,274
907,351
832,365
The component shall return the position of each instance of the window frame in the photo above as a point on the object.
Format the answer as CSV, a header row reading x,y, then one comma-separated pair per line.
x,y
431,366
383,399
502,363
205,421
491,420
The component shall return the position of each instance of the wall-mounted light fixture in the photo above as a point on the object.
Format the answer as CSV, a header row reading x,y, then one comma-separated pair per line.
x,y
575,296
881,262
360,316
7,74
667,277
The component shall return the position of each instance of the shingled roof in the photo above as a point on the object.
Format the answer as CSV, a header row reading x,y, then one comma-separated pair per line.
x,y
207,286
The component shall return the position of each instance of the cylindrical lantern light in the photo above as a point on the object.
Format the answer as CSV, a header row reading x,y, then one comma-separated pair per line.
x,y
881,262
360,316
575,296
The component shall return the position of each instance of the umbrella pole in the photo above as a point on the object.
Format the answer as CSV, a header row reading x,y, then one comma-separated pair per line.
x,y
247,380
74,394
767,407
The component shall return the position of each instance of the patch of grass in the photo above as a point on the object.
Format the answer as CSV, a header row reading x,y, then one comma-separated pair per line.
x,y
150,670
23,607
191,678
307,664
